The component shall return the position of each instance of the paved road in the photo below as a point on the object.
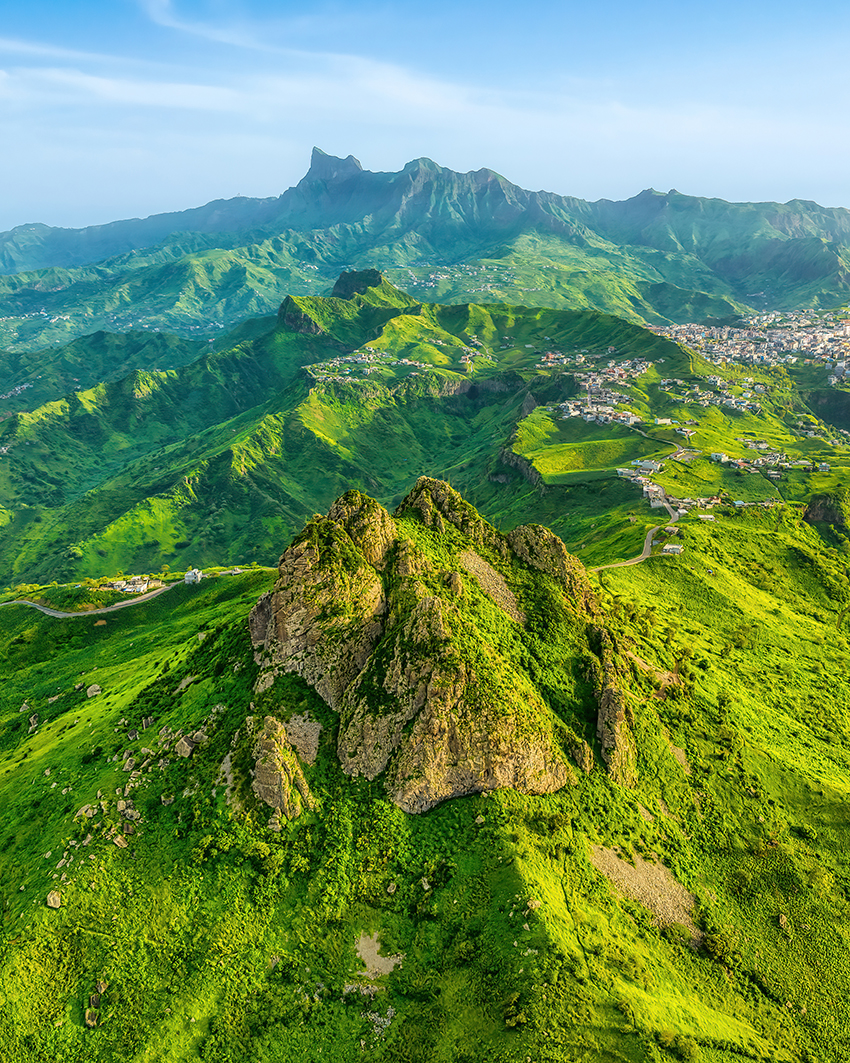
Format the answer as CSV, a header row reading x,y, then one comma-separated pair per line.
x,y
647,543
93,612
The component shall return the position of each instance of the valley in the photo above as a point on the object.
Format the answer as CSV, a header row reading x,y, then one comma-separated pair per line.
x,y
509,719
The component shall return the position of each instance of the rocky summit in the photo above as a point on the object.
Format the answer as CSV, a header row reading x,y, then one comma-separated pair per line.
x,y
425,631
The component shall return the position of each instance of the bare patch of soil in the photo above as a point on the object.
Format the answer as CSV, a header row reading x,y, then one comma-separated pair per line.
x,y
376,964
664,679
681,756
492,583
650,884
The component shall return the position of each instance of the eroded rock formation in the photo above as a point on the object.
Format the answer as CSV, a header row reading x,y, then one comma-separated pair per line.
x,y
375,616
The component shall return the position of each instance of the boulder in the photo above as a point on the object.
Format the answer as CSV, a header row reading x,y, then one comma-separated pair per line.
x,y
54,899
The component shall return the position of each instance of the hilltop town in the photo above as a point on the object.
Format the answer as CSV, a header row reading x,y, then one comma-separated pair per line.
x,y
777,338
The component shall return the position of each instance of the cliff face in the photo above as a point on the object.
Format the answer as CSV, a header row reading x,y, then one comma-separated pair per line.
x,y
417,629
830,508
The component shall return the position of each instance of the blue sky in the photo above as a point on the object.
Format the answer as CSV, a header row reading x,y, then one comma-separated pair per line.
x,y
123,108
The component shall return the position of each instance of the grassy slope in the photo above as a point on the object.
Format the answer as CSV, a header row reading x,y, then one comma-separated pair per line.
x,y
230,943
213,461
216,461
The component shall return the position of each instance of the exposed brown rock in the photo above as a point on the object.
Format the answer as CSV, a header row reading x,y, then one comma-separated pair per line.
x,y
359,612
278,779
295,318
325,613
612,727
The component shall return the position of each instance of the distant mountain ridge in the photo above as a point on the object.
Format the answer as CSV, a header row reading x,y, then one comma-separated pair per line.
x,y
439,234
338,191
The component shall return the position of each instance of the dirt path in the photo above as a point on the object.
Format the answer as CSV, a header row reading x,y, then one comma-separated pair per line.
x,y
92,612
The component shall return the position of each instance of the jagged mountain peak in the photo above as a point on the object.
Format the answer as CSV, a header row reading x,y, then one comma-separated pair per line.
x,y
416,629
324,167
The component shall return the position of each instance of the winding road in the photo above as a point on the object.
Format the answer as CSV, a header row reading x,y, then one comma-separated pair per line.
x,y
92,612
647,543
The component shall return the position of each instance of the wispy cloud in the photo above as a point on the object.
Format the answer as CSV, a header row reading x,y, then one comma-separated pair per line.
x,y
39,50
237,34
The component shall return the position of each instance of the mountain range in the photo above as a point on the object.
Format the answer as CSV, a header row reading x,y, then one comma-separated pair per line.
x,y
440,234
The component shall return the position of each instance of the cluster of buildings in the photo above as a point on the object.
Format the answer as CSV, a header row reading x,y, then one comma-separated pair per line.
x,y
15,391
719,394
771,339
133,585
601,402
369,360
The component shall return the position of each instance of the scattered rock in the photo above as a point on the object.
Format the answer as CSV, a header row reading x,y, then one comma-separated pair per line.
x,y
368,949
650,884
33,722
93,691
120,841
492,583
91,1017
54,899
393,886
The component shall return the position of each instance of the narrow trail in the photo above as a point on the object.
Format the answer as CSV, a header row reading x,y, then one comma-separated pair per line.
x,y
92,612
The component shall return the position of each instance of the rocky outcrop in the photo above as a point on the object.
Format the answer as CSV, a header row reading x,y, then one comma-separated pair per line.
x,y
508,456
294,318
278,779
613,727
373,612
324,617
355,282
541,549
829,508
437,504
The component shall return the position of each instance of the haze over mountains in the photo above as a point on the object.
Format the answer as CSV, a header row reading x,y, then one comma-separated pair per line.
x,y
440,234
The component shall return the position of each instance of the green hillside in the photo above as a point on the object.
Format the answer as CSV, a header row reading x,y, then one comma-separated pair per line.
x,y
443,236
209,462
681,895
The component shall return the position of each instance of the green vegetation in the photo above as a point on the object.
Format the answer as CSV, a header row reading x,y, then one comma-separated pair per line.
x,y
443,236
214,938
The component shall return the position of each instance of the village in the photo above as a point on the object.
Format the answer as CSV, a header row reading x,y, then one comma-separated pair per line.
x,y
777,338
